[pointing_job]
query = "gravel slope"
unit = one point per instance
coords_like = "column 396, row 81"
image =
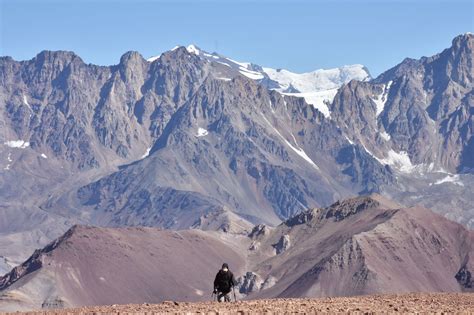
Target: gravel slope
column 460, row 303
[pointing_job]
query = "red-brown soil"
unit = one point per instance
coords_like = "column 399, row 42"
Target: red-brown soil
column 459, row 303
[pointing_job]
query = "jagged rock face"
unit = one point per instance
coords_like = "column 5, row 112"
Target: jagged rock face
column 250, row 282
column 187, row 142
column 258, row 231
column 283, row 244
column 63, row 106
column 248, row 149
column 421, row 107
column 465, row 279
column 269, row 282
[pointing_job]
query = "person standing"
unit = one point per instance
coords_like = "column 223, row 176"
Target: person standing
column 223, row 283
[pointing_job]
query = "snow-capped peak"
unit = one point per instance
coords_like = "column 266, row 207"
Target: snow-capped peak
column 151, row 59
column 317, row 87
column 192, row 49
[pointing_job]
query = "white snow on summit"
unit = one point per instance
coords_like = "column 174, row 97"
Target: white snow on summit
column 193, row 50
column 318, row 99
column 318, row 80
column 151, row 59
column 318, row 87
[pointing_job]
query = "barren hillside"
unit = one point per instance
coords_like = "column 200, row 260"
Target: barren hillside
column 359, row 246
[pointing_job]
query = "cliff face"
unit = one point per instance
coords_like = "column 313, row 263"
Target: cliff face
column 420, row 107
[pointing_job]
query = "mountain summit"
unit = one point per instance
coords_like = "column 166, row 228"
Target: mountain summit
column 191, row 136
column 318, row 87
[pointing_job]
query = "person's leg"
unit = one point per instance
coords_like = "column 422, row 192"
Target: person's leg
column 227, row 297
column 220, row 295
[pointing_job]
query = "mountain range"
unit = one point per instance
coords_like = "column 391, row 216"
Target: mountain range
column 363, row 245
column 191, row 139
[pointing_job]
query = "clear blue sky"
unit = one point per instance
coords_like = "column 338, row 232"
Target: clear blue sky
column 295, row 35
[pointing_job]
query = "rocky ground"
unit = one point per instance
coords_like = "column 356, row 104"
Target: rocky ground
column 459, row 303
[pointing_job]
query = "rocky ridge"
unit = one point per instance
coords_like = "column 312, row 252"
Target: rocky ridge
column 359, row 246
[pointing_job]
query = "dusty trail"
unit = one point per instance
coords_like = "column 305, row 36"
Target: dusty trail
column 459, row 303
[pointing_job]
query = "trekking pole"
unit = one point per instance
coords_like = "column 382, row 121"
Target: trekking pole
column 235, row 299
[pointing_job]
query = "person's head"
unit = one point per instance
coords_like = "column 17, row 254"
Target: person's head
column 225, row 266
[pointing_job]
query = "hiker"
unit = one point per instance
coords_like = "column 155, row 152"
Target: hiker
column 224, row 283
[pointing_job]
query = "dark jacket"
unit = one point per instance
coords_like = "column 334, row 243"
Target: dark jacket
column 224, row 281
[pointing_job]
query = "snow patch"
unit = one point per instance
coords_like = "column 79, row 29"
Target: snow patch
column 20, row 144
column 193, row 50
column 381, row 99
column 224, row 79
column 44, row 156
column 350, row 141
column 244, row 65
column 147, row 153
column 370, row 153
column 454, row 179
column 9, row 159
column 318, row 100
column 301, row 153
column 25, row 100
column 400, row 160
column 297, row 149
column 385, row 136
column 251, row 74
column 202, row 132
column 151, row 59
